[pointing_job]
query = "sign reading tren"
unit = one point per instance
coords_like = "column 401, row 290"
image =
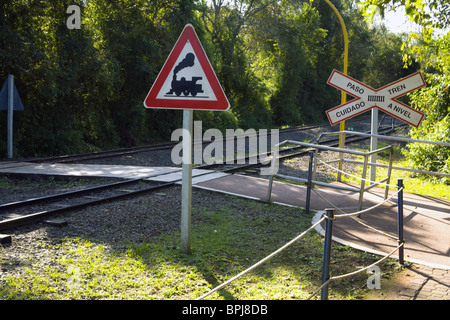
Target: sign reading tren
column 383, row 98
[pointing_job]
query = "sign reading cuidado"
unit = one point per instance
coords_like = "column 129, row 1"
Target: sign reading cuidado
column 187, row 80
column 383, row 98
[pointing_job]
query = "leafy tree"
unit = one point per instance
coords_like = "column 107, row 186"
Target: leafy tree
column 434, row 101
column 427, row 13
column 83, row 88
column 227, row 27
column 297, row 61
column 432, row 52
column 51, row 68
column 133, row 49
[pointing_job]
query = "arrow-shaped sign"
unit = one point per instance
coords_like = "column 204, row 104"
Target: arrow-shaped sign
column 384, row 98
column 17, row 102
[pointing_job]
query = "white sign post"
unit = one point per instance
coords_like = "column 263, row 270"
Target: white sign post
column 10, row 101
column 10, row 115
column 373, row 143
column 367, row 98
column 187, row 82
column 186, row 186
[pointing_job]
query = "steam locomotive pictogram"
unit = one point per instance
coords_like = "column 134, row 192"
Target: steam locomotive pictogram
column 184, row 86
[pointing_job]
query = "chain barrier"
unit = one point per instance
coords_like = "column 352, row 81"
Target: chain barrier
column 357, row 213
column 330, row 218
column 263, row 260
column 356, row 177
column 325, row 277
column 354, row 272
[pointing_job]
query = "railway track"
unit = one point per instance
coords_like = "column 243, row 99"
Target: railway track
column 140, row 149
column 43, row 208
column 105, row 154
column 18, row 213
column 298, row 151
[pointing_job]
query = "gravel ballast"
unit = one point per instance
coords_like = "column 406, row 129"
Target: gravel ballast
column 114, row 225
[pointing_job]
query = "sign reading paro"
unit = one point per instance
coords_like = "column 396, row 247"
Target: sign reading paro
column 383, row 98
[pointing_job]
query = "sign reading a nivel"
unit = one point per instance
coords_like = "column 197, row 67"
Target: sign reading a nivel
column 383, row 98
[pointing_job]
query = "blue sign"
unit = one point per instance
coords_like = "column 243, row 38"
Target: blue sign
column 17, row 102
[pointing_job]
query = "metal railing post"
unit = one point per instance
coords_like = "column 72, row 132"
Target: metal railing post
column 401, row 250
column 309, row 182
column 341, row 157
column 327, row 252
column 389, row 171
column 363, row 183
column 275, row 154
column 269, row 191
column 316, row 154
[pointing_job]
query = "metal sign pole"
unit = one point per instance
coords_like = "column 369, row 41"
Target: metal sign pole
column 401, row 252
column 10, row 115
column 373, row 143
column 186, row 187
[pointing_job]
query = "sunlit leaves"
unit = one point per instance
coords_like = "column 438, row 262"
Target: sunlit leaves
column 433, row 53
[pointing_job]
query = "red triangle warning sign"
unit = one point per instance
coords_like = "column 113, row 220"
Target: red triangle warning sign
column 187, row 80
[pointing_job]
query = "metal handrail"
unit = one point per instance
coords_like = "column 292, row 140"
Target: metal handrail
column 362, row 187
column 439, row 143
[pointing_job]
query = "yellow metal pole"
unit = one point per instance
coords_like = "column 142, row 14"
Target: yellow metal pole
column 344, row 30
column 343, row 95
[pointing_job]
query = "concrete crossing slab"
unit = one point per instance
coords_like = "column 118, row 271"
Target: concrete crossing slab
column 5, row 165
column 86, row 170
column 198, row 175
column 158, row 174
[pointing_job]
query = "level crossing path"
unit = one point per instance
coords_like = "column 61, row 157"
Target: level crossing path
column 426, row 219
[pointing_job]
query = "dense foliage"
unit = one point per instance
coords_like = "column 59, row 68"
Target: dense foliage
column 83, row 88
column 430, row 48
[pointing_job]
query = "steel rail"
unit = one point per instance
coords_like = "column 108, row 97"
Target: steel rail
column 13, row 222
column 287, row 154
column 134, row 150
column 62, row 195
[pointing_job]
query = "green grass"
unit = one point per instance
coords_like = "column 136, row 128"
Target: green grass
column 413, row 183
column 226, row 241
